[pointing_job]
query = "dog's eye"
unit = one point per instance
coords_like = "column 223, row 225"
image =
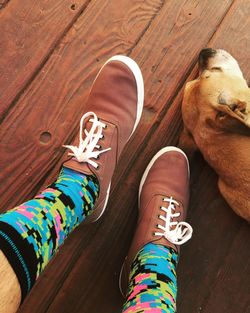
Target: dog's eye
column 220, row 115
column 216, row 69
column 233, row 106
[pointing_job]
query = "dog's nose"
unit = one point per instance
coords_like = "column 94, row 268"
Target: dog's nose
column 207, row 53
column 204, row 56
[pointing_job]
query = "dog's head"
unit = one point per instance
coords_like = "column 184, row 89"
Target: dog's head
column 222, row 90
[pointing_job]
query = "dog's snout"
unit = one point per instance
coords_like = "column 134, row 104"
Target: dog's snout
column 204, row 56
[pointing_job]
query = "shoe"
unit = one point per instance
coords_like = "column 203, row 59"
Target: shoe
column 163, row 201
column 114, row 109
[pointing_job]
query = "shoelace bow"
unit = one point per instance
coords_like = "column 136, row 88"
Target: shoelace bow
column 177, row 233
column 85, row 151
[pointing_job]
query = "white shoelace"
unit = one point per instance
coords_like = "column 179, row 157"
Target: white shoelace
column 181, row 232
column 85, row 151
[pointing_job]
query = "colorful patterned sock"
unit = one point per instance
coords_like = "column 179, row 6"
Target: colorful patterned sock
column 152, row 282
column 31, row 233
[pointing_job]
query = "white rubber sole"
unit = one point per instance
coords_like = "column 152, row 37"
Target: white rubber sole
column 120, row 280
column 151, row 163
column 132, row 65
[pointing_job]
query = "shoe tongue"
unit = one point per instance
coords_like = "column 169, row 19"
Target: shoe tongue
column 78, row 167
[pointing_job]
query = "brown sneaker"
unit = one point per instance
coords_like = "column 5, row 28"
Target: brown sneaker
column 115, row 106
column 163, row 201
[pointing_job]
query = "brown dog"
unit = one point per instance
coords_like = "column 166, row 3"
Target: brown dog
column 216, row 115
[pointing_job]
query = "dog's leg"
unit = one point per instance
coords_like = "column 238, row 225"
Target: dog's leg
column 187, row 143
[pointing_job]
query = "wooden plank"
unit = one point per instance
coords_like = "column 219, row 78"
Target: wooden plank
column 215, row 226
column 214, row 222
column 231, row 291
column 29, row 32
column 95, row 258
column 165, row 63
column 31, row 136
column 206, row 202
column 122, row 209
column 80, row 49
column 56, row 87
column 221, row 229
column 99, row 265
column 217, row 233
column 133, row 194
column 234, row 35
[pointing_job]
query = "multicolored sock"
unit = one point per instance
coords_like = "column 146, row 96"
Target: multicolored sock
column 152, row 282
column 31, row 233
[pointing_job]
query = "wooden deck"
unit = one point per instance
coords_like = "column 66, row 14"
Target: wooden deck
column 50, row 54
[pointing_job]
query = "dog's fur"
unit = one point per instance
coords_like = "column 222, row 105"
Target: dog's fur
column 216, row 115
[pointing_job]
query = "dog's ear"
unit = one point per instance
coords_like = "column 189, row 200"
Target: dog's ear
column 233, row 115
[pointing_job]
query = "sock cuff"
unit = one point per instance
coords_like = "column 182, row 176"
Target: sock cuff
column 20, row 256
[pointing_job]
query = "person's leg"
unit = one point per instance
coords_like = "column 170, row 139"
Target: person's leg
column 31, row 233
column 10, row 291
column 152, row 281
column 149, row 270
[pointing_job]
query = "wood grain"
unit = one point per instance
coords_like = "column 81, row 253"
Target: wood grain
column 123, row 30
column 165, row 63
column 120, row 215
column 66, row 78
column 231, row 290
column 209, row 215
column 214, row 222
column 217, row 227
column 164, row 37
column 29, row 32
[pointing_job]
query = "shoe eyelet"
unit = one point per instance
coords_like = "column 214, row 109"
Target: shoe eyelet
column 98, row 166
column 98, row 157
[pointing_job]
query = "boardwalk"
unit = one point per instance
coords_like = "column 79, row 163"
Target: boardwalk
column 50, row 54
